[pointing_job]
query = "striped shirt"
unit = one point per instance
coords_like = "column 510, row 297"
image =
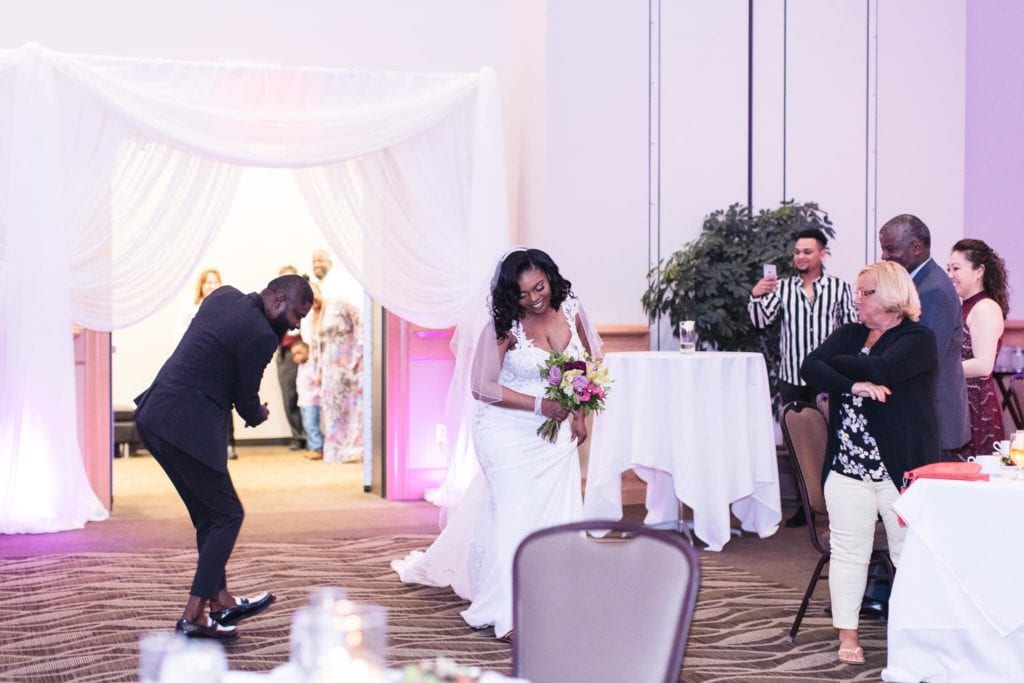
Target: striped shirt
column 804, row 325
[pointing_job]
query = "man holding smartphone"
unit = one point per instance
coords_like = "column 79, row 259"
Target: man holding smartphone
column 811, row 304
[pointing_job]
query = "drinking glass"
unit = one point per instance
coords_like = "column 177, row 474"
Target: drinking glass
column 153, row 649
column 1017, row 452
column 198, row 661
column 687, row 336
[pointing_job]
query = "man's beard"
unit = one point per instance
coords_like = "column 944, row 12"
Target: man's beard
column 280, row 325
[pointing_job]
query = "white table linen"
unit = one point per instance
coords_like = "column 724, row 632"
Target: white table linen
column 697, row 428
column 957, row 609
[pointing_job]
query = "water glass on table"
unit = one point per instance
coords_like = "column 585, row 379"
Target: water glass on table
column 687, row 336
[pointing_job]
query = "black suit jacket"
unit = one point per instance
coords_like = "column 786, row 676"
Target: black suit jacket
column 218, row 363
column 903, row 359
column 942, row 313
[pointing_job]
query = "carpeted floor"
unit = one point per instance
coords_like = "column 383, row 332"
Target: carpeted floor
column 78, row 617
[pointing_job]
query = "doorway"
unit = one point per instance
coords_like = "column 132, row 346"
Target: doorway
column 267, row 227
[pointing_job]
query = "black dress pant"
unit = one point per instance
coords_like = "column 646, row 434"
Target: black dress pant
column 212, row 504
column 286, row 372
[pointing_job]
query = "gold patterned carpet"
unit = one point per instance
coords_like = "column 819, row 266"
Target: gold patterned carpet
column 78, row 617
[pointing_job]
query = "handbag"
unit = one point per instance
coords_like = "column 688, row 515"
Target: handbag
column 963, row 471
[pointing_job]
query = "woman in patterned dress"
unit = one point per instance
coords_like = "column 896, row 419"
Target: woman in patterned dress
column 880, row 375
column 979, row 278
column 341, row 389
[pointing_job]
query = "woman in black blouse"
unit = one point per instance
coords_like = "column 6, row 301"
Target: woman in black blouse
column 880, row 375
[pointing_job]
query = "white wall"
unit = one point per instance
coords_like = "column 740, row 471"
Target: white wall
column 866, row 117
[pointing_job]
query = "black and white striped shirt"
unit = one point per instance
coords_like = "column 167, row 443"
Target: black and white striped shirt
column 804, row 326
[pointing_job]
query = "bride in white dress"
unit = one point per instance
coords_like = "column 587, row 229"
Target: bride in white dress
column 525, row 483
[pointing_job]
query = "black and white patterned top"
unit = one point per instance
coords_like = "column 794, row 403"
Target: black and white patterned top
column 804, row 325
column 858, row 455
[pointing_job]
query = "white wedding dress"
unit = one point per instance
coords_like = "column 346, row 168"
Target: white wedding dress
column 525, row 484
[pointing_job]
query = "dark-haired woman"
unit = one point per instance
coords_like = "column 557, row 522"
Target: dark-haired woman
column 979, row 278
column 525, row 483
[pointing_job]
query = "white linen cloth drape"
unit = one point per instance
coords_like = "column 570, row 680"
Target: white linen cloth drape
column 115, row 175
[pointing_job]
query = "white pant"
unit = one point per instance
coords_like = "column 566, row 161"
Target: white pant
column 853, row 508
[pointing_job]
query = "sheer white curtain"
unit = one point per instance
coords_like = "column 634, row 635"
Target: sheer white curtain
column 115, row 175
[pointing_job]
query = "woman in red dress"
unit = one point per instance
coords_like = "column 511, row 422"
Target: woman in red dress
column 979, row 277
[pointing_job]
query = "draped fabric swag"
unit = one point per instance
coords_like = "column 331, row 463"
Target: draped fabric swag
column 115, row 174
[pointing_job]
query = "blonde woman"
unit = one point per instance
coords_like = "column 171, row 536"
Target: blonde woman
column 208, row 281
column 880, row 374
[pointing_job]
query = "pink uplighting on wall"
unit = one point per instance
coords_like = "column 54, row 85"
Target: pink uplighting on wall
column 419, row 367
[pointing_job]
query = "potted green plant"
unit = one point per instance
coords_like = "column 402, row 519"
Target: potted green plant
column 709, row 279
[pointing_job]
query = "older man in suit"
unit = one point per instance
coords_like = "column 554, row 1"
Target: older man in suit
column 183, row 417
column 906, row 240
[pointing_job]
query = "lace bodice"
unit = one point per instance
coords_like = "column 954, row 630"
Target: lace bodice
column 520, row 370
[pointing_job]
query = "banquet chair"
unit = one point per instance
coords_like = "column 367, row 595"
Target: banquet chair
column 616, row 608
column 1017, row 396
column 805, row 431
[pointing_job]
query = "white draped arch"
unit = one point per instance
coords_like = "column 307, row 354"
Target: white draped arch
column 116, row 173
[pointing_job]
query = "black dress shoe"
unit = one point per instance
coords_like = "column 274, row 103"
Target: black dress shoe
column 211, row 629
column 245, row 608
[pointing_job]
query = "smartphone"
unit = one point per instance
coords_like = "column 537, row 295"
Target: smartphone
column 769, row 270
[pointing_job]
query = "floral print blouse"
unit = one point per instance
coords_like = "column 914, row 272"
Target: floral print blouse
column 858, row 455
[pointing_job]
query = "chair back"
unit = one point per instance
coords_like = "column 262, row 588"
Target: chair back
column 1017, row 397
column 805, row 431
column 806, row 434
column 602, row 609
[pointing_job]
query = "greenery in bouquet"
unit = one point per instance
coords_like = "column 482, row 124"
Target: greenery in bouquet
column 576, row 384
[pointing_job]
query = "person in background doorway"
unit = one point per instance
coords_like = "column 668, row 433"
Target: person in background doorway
column 307, row 383
column 340, row 361
column 906, row 240
column 208, row 280
column 979, row 277
column 286, row 370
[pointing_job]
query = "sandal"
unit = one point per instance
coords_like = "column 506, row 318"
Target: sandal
column 851, row 655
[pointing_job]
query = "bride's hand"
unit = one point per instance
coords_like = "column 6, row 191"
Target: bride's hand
column 553, row 409
column 579, row 427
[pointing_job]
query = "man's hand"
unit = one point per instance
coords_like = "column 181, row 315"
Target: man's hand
column 264, row 413
column 765, row 285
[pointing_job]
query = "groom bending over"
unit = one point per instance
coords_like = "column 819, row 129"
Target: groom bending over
column 182, row 418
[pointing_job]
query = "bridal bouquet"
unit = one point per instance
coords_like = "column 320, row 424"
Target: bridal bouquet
column 577, row 384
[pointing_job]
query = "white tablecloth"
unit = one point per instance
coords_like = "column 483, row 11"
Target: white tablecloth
column 697, row 428
column 957, row 606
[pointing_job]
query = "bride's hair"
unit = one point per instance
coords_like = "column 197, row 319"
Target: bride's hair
column 505, row 294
